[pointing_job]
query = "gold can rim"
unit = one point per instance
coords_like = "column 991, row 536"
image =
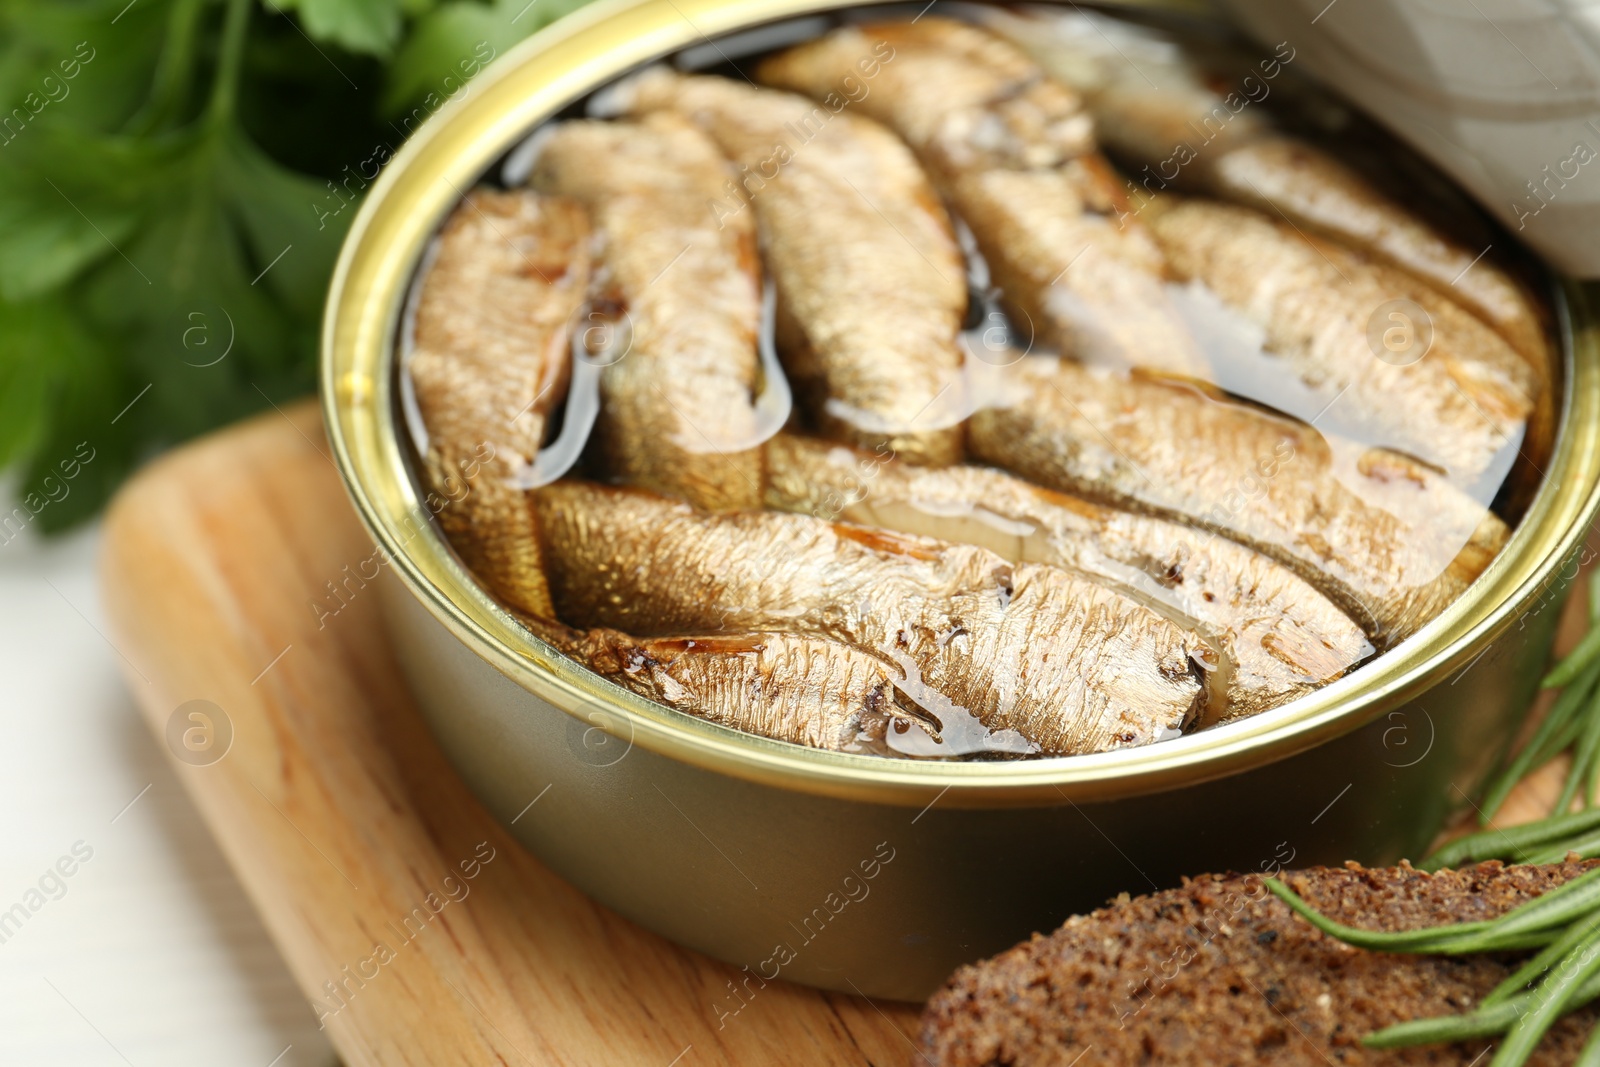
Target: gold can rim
column 453, row 149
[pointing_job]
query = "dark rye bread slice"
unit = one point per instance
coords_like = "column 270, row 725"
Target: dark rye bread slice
column 1220, row 972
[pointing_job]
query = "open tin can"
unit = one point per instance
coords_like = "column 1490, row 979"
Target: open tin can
column 851, row 872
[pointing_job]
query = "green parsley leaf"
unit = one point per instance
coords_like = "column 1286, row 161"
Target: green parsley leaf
column 84, row 449
column 174, row 183
column 456, row 40
column 369, row 26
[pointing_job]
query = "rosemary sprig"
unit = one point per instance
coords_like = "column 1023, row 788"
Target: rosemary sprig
column 1563, row 924
column 1538, row 922
column 1573, row 722
column 1563, row 977
column 1530, row 971
column 1552, row 998
column 1543, row 841
column 1590, row 1056
column 1487, row 1021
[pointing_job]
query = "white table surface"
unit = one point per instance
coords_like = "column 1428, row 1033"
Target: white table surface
column 152, row 956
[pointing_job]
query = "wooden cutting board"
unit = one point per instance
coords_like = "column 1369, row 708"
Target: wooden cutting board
column 342, row 819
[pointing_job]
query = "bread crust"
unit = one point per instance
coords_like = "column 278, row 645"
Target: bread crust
column 1219, row 971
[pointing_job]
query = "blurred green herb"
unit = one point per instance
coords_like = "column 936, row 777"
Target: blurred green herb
column 175, row 177
column 1571, row 726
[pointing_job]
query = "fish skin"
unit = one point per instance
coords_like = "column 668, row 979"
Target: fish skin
column 1322, row 194
column 805, row 690
column 1070, row 665
column 1148, row 99
column 1469, row 396
column 1146, row 124
column 1013, row 152
column 960, row 96
column 490, row 362
column 1387, row 539
column 1070, row 277
column 1283, row 637
column 870, row 281
column 677, row 411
